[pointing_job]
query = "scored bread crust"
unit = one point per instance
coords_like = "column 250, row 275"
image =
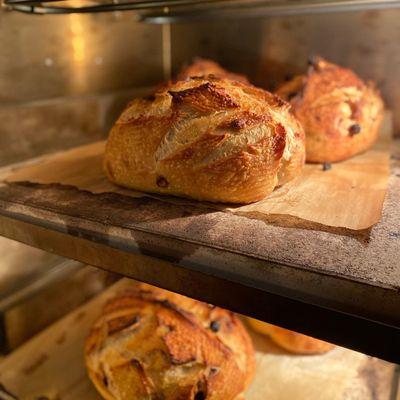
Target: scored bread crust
column 294, row 342
column 201, row 67
column 206, row 138
column 151, row 343
column 340, row 114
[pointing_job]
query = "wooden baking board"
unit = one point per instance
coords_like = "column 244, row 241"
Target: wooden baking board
column 350, row 195
column 51, row 366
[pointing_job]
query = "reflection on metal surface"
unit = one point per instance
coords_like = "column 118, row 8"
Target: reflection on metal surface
column 76, row 6
column 38, row 303
column 166, row 43
column 78, row 40
column 200, row 9
column 78, row 50
column 39, row 56
column 19, row 264
column 255, row 9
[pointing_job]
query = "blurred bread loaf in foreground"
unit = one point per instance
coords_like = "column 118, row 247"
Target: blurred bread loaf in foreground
column 292, row 341
column 340, row 114
column 206, row 138
column 202, row 67
column 153, row 344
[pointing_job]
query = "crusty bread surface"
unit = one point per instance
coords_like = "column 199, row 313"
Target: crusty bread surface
column 153, row 344
column 341, row 115
column 208, row 138
column 202, row 67
column 294, row 342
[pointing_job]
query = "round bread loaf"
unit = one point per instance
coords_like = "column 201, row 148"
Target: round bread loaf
column 153, row 344
column 206, row 138
column 340, row 114
column 292, row 341
column 202, row 67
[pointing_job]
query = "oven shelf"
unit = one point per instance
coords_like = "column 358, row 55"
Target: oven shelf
column 333, row 284
column 40, row 365
column 169, row 11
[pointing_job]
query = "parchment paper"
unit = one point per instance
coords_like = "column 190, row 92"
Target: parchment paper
column 350, row 195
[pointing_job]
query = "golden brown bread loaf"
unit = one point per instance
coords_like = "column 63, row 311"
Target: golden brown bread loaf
column 206, row 138
column 203, row 67
column 292, row 341
column 340, row 114
column 153, row 344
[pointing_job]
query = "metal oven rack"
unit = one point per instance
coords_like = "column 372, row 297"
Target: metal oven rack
column 165, row 11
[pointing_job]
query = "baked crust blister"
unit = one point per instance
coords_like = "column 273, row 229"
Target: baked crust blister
column 341, row 115
column 207, row 138
column 151, row 343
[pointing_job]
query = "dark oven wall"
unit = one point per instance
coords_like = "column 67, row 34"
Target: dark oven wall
column 269, row 49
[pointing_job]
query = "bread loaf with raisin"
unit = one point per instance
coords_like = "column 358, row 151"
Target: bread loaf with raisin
column 341, row 115
column 153, row 344
column 208, row 139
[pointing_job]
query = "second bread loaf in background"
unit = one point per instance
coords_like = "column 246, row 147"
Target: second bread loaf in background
column 201, row 67
column 341, row 115
column 294, row 342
